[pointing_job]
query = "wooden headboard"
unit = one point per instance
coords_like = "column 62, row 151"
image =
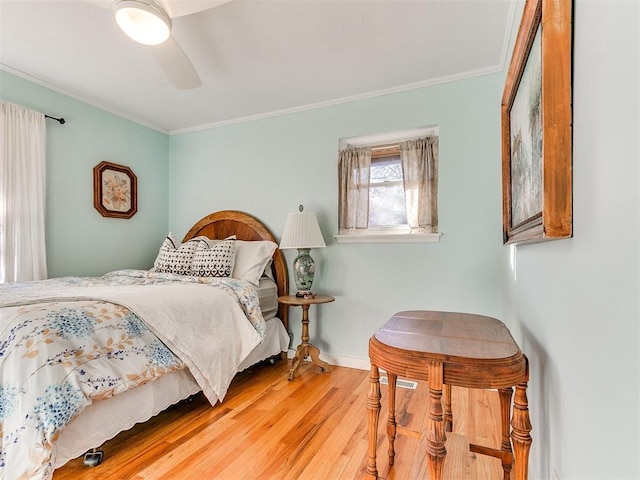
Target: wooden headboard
column 225, row 223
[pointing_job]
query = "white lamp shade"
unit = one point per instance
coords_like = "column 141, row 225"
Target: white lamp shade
column 302, row 231
column 143, row 21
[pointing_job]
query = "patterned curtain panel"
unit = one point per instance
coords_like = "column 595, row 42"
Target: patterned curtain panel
column 353, row 191
column 420, row 172
column 22, row 194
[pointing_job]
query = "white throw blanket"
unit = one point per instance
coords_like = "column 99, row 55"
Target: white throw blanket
column 203, row 326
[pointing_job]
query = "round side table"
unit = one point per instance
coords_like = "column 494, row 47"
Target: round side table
column 305, row 349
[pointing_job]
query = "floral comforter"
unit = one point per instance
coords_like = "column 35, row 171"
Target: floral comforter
column 67, row 342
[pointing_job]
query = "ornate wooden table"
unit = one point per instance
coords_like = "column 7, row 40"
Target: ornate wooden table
column 446, row 349
column 305, row 349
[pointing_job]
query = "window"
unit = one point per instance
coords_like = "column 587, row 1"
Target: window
column 387, row 207
column 388, row 187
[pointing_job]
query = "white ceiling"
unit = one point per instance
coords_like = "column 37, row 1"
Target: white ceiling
column 255, row 57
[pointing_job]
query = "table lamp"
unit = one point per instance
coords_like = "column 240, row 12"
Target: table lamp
column 302, row 232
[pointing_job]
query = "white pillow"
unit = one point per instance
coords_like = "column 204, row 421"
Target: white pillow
column 174, row 257
column 268, row 272
column 252, row 258
column 214, row 258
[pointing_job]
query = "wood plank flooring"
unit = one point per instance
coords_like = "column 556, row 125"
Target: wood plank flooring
column 312, row 428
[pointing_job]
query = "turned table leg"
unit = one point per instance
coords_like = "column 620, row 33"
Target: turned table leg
column 435, row 429
column 506, row 395
column 305, row 349
column 391, row 420
column 373, row 409
column 521, row 426
column 448, row 413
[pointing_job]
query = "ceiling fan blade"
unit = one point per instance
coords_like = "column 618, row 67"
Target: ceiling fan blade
column 176, row 65
column 106, row 4
column 174, row 8
column 179, row 8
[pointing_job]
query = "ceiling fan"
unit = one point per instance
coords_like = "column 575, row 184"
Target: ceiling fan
column 149, row 22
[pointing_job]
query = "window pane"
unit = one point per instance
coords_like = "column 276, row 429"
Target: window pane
column 386, row 193
column 387, row 169
column 387, row 206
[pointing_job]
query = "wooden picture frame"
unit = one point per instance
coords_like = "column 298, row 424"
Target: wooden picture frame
column 115, row 190
column 536, row 127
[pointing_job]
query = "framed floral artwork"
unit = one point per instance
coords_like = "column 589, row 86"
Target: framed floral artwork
column 537, row 127
column 115, row 190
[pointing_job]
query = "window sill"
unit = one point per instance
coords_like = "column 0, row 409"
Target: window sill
column 389, row 238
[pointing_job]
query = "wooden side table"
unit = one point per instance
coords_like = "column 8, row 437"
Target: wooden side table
column 447, row 349
column 305, row 349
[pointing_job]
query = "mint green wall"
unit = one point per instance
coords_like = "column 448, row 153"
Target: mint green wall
column 268, row 167
column 573, row 304
column 79, row 240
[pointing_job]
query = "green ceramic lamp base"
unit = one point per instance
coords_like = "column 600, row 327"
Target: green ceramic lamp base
column 303, row 271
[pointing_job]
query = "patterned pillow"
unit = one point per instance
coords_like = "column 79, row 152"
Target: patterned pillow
column 214, row 258
column 174, row 257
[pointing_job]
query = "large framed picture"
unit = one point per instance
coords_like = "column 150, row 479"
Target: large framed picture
column 115, row 190
column 536, row 127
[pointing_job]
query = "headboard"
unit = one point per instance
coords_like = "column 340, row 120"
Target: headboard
column 220, row 225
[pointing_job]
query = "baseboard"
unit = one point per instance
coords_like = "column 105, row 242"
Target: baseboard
column 341, row 360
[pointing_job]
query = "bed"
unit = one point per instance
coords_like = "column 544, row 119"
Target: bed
column 152, row 333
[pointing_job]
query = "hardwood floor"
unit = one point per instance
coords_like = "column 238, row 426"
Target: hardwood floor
column 312, row 428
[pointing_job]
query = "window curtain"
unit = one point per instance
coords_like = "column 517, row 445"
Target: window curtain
column 22, row 194
column 419, row 158
column 353, row 202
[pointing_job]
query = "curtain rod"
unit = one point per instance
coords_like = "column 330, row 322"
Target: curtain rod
column 60, row 120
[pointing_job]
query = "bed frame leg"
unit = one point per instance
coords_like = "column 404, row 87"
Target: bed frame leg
column 93, row 457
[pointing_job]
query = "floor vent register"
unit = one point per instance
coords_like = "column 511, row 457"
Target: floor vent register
column 410, row 384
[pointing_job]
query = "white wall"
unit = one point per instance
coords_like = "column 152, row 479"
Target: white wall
column 573, row 304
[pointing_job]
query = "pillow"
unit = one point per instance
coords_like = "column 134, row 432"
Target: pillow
column 267, row 270
column 252, row 258
column 214, row 258
column 175, row 258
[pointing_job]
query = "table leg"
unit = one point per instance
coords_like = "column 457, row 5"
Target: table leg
column 391, row 419
column 314, row 353
column 296, row 361
column 373, row 409
column 521, row 426
column 506, row 395
column 435, row 429
column 305, row 349
column 448, row 413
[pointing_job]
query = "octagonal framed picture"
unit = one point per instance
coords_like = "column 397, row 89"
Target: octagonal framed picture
column 115, row 190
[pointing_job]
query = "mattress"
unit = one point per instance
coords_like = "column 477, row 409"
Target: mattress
column 268, row 297
column 104, row 419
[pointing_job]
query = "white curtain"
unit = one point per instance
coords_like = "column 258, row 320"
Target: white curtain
column 22, row 194
column 420, row 173
column 353, row 203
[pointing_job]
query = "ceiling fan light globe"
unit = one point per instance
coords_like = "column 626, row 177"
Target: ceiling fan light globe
column 142, row 21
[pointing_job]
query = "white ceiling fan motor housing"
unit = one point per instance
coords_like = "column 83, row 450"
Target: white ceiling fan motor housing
column 143, row 20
